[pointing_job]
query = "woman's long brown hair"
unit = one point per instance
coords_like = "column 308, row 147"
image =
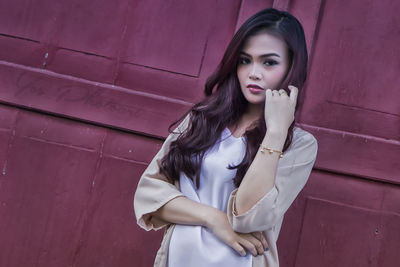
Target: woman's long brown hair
column 224, row 102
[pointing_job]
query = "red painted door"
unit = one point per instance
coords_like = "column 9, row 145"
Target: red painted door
column 88, row 89
column 349, row 212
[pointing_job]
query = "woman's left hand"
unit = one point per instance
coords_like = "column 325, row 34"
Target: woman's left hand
column 279, row 109
column 256, row 238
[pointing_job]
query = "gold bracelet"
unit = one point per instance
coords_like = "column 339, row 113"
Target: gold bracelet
column 270, row 150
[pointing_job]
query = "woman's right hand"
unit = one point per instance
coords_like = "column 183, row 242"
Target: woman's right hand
column 255, row 243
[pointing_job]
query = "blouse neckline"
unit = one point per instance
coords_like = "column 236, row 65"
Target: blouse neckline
column 230, row 133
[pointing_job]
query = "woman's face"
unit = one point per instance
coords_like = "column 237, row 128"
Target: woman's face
column 263, row 64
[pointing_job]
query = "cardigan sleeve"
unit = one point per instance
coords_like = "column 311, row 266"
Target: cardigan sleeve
column 291, row 176
column 154, row 190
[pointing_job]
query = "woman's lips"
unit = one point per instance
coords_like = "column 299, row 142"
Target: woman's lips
column 255, row 89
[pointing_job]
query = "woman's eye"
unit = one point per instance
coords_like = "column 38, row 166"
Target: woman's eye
column 270, row 62
column 244, row 60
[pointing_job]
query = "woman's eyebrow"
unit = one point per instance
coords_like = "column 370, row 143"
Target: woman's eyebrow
column 261, row 56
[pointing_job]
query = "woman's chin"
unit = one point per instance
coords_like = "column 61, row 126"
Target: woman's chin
column 259, row 100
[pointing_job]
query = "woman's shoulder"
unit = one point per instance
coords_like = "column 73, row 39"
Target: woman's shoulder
column 302, row 137
column 303, row 148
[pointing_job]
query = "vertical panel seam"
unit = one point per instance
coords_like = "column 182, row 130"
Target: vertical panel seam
column 9, row 146
column 89, row 200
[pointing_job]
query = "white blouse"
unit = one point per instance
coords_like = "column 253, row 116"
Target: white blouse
column 196, row 245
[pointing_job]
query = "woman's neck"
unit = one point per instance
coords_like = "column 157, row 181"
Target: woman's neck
column 252, row 114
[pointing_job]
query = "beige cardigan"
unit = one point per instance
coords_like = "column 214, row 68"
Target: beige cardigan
column 266, row 215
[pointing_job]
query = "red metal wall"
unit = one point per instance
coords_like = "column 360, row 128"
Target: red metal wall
column 88, row 89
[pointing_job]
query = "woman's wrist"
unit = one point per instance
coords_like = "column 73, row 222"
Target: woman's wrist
column 274, row 139
column 211, row 215
column 275, row 131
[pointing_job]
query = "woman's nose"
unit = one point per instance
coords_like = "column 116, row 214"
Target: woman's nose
column 254, row 73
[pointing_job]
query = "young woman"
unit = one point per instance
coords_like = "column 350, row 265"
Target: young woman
column 224, row 178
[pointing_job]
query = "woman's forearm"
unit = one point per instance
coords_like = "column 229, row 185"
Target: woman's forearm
column 182, row 210
column 260, row 177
